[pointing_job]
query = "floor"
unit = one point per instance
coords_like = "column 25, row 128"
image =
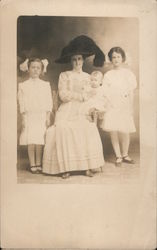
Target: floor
column 125, row 173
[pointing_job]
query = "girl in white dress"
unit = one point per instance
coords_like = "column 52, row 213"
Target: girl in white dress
column 35, row 102
column 73, row 143
column 119, row 84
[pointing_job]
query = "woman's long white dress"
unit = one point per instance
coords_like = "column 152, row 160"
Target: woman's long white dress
column 35, row 100
column 73, row 143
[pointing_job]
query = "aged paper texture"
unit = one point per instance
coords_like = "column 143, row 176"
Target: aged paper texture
column 117, row 212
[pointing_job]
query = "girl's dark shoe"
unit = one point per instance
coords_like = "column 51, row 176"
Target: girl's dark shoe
column 128, row 160
column 39, row 169
column 33, row 169
column 118, row 162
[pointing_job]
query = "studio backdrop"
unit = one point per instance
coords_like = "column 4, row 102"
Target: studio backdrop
column 45, row 36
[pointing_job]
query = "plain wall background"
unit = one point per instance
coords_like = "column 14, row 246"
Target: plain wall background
column 45, row 36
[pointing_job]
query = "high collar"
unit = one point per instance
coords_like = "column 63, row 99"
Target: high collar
column 77, row 71
column 34, row 79
column 118, row 68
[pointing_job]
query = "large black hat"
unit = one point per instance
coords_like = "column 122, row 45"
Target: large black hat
column 82, row 45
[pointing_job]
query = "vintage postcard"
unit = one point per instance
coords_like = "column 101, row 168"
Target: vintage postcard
column 78, row 124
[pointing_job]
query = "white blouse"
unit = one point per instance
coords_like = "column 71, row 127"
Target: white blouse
column 71, row 85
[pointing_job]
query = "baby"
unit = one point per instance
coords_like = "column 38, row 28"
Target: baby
column 95, row 105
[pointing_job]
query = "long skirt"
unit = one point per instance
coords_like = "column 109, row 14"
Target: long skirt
column 73, row 145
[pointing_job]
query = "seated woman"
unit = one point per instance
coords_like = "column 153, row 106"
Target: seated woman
column 73, row 143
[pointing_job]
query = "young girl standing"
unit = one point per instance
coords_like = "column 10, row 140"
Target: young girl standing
column 119, row 84
column 35, row 101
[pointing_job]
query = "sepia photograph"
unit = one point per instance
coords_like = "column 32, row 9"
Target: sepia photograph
column 78, row 99
column 78, row 124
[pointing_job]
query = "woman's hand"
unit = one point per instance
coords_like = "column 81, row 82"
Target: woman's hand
column 93, row 114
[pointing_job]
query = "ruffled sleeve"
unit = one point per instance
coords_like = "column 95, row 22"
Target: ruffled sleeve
column 48, row 99
column 65, row 91
column 20, row 97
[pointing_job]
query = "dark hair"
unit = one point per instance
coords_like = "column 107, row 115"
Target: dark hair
column 117, row 50
column 35, row 60
column 83, row 56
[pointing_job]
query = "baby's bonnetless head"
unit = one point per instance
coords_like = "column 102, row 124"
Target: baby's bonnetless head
column 96, row 79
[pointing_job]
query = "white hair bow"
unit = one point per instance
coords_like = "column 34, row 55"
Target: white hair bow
column 24, row 65
column 45, row 63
